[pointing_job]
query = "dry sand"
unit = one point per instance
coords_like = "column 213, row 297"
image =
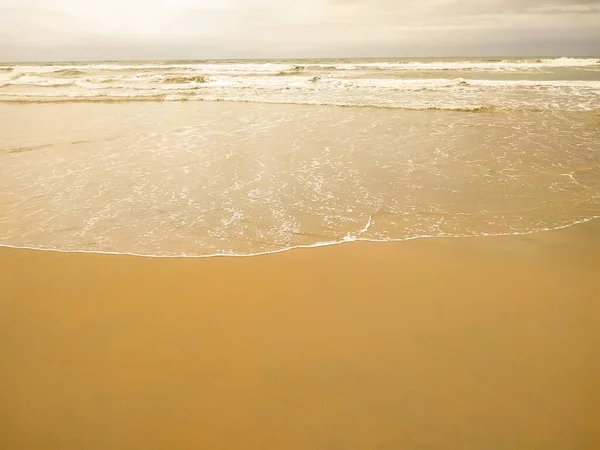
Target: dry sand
column 478, row 343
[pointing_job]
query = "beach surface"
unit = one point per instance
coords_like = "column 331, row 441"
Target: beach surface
column 466, row 343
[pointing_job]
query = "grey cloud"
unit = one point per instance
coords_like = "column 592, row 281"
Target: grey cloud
column 574, row 9
column 525, row 7
column 476, row 7
column 64, row 29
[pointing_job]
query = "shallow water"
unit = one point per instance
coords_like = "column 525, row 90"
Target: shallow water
column 187, row 178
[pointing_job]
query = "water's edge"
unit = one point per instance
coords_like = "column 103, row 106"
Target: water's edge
column 299, row 247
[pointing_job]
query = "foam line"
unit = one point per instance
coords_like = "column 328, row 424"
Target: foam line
column 315, row 245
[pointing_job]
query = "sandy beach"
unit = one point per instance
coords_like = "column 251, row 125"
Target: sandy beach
column 470, row 343
column 315, row 225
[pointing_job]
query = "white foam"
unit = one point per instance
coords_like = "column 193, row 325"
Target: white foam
column 497, row 66
column 299, row 66
column 40, row 81
column 307, row 246
column 417, row 93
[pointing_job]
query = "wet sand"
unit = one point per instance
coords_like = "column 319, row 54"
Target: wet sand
column 473, row 343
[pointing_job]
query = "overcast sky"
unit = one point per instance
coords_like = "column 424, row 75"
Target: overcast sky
column 172, row 29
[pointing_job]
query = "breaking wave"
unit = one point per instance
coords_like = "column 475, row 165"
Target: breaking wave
column 69, row 72
column 466, row 85
column 192, row 98
column 184, row 80
column 247, row 67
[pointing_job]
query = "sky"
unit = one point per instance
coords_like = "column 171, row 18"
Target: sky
column 66, row 30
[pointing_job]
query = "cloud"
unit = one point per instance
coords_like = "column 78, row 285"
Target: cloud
column 570, row 9
column 522, row 7
column 116, row 29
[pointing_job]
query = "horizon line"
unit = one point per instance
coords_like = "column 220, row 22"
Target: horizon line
column 290, row 58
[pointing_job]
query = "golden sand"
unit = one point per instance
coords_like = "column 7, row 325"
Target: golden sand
column 479, row 343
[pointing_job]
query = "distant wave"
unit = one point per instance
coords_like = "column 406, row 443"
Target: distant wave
column 280, row 82
column 275, row 68
column 302, row 69
column 296, row 70
column 464, row 85
column 184, row 80
column 191, row 98
column 69, row 72
column 485, row 65
column 22, row 80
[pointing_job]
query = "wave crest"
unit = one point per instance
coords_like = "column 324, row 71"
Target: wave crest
column 195, row 98
column 68, row 72
column 184, row 80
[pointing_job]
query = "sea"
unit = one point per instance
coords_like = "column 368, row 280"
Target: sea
column 245, row 157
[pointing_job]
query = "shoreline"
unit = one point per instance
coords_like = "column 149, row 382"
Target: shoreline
column 303, row 247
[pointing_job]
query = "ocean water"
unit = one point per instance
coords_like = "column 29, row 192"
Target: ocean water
column 202, row 158
column 566, row 84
